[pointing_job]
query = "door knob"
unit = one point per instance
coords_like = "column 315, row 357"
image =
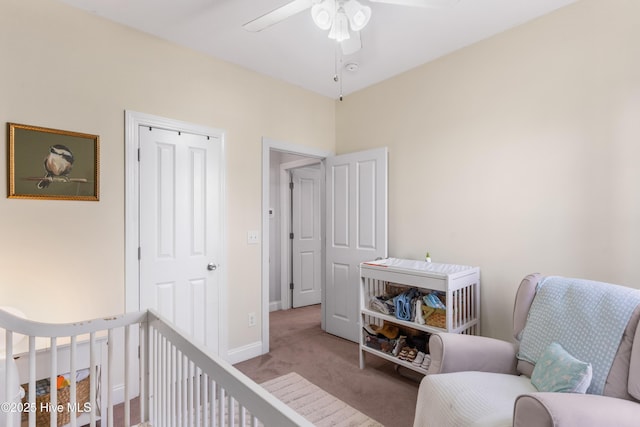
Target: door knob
column 211, row 266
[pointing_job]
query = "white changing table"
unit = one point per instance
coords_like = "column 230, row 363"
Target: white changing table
column 459, row 283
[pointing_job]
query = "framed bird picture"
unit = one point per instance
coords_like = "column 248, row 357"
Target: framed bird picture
column 53, row 164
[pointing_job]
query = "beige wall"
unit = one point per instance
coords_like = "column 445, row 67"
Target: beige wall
column 65, row 69
column 517, row 154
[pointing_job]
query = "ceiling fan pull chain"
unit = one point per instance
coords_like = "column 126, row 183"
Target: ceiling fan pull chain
column 335, row 62
column 341, row 79
column 337, row 71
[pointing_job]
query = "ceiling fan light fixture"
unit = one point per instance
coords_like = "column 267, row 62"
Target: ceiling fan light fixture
column 340, row 28
column 322, row 14
column 358, row 14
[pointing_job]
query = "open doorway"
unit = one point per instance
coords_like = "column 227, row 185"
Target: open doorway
column 299, row 215
column 279, row 160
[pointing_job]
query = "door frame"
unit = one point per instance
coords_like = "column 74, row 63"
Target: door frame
column 268, row 145
column 285, row 221
column 133, row 120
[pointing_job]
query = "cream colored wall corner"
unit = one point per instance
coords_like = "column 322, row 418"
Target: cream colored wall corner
column 65, row 69
column 517, row 154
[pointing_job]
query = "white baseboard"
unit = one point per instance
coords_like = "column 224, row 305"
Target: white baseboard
column 246, row 352
column 275, row 306
column 118, row 394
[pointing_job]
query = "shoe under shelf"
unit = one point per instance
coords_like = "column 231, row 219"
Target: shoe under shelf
column 391, row 358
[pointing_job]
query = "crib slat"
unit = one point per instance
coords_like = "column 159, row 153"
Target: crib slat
column 185, row 392
column 190, row 394
column 161, row 382
column 179, row 389
column 232, row 411
column 160, row 379
column 127, row 348
column 165, row 384
column 196, row 402
column 242, row 420
column 154, row 370
column 158, row 395
column 173, row 386
column 32, row 379
column 53, row 380
column 205, row 400
column 93, row 373
column 144, row 372
column 221, row 400
column 214, row 403
column 110, row 370
column 7, row 368
column 172, row 379
column 72, row 379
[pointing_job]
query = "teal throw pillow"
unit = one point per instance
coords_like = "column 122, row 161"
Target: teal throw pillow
column 558, row 371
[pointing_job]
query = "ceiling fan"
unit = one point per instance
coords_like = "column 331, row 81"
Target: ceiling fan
column 343, row 18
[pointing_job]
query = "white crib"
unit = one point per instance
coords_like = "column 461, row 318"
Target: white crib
column 177, row 382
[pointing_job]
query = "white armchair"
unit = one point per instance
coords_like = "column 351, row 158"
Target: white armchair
column 479, row 381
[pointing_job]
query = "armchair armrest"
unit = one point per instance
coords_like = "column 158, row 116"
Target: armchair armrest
column 571, row 409
column 457, row 352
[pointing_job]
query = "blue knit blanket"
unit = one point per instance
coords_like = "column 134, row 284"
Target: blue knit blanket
column 587, row 318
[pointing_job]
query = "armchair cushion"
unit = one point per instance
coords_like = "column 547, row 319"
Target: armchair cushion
column 558, row 371
column 469, row 399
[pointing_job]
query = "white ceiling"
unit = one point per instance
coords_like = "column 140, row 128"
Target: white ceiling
column 396, row 39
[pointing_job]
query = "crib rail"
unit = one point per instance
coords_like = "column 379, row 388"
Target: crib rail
column 191, row 386
column 46, row 343
column 175, row 381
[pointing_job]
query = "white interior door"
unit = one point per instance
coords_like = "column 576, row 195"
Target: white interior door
column 180, row 208
column 307, row 236
column 356, row 191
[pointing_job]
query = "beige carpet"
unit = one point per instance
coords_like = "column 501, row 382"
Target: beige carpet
column 315, row 404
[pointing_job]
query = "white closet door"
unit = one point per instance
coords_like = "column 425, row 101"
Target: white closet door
column 179, row 233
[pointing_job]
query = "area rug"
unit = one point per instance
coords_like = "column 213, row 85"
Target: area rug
column 315, row 404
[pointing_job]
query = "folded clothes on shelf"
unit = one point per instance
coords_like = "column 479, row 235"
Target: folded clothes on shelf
column 382, row 305
column 432, row 300
column 404, row 305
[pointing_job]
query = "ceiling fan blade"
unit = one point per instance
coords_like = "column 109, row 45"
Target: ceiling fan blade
column 352, row 44
column 278, row 15
column 433, row 4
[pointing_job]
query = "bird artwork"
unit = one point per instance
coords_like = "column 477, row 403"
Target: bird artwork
column 57, row 164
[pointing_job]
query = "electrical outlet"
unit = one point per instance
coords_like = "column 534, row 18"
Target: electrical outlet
column 252, row 319
column 252, row 237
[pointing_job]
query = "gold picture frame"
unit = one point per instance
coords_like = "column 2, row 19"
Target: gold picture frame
column 53, row 164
